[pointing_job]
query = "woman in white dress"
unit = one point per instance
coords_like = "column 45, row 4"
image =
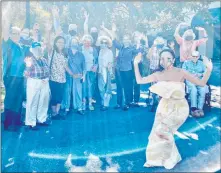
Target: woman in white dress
column 172, row 110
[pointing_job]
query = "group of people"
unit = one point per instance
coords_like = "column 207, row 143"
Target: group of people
column 61, row 68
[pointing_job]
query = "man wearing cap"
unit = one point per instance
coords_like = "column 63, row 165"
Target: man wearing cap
column 105, row 63
column 196, row 67
column 13, row 68
column 76, row 63
column 37, row 73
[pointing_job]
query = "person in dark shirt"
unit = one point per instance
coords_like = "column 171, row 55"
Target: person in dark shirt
column 124, row 71
column 76, row 63
column 13, row 68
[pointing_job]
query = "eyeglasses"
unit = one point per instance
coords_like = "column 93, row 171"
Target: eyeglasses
column 195, row 56
column 103, row 42
column 15, row 33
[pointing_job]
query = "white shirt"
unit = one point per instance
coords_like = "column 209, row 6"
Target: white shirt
column 89, row 58
column 105, row 57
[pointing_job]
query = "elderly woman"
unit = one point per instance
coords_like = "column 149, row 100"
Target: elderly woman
column 187, row 42
column 172, row 110
column 91, row 56
column 37, row 73
column 76, row 63
column 105, row 62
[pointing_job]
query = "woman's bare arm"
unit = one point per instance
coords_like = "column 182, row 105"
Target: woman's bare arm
column 139, row 78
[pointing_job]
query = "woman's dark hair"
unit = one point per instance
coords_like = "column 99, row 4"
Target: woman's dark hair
column 168, row 50
column 56, row 48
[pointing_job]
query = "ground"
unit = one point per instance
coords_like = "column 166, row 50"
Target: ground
column 114, row 138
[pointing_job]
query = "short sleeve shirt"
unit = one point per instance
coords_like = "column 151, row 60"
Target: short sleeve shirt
column 58, row 68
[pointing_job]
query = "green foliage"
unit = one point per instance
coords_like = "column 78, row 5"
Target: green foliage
column 149, row 17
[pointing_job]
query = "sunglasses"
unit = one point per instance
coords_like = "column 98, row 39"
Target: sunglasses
column 103, row 42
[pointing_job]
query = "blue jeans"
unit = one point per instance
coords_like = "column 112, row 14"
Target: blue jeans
column 197, row 95
column 67, row 93
column 77, row 94
column 88, row 85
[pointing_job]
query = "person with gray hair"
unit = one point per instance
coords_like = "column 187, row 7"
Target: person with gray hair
column 76, row 63
column 105, row 63
column 13, row 69
column 91, row 57
column 197, row 93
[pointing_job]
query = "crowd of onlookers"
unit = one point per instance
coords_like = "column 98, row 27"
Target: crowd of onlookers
column 54, row 73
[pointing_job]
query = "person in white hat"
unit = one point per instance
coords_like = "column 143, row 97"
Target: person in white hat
column 38, row 92
column 197, row 93
column 105, row 63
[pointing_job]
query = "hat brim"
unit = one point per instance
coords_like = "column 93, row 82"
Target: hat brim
column 109, row 41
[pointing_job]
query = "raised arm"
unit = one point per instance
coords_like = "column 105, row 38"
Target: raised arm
column 205, row 36
column 48, row 40
column 86, row 30
column 109, row 32
column 139, row 78
column 177, row 35
column 56, row 19
column 206, row 75
column 6, row 20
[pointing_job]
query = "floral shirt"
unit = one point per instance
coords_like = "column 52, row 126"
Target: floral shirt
column 58, row 65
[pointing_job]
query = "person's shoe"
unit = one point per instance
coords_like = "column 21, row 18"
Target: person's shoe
column 126, row 107
column 46, row 123
column 104, row 108
column 195, row 113
column 201, row 113
column 117, row 107
column 136, row 105
column 91, row 108
column 35, row 128
column 133, row 105
column 81, row 112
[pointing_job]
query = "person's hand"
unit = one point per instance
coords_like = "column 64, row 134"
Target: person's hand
column 55, row 11
column 28, row 61
column 138, row 58
column 48, row 26
column 44, row 81
column 114, row 27
column 102, row 26
column 94, row 68
column 109, row 66
column 86, row 15
column 208, row 63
